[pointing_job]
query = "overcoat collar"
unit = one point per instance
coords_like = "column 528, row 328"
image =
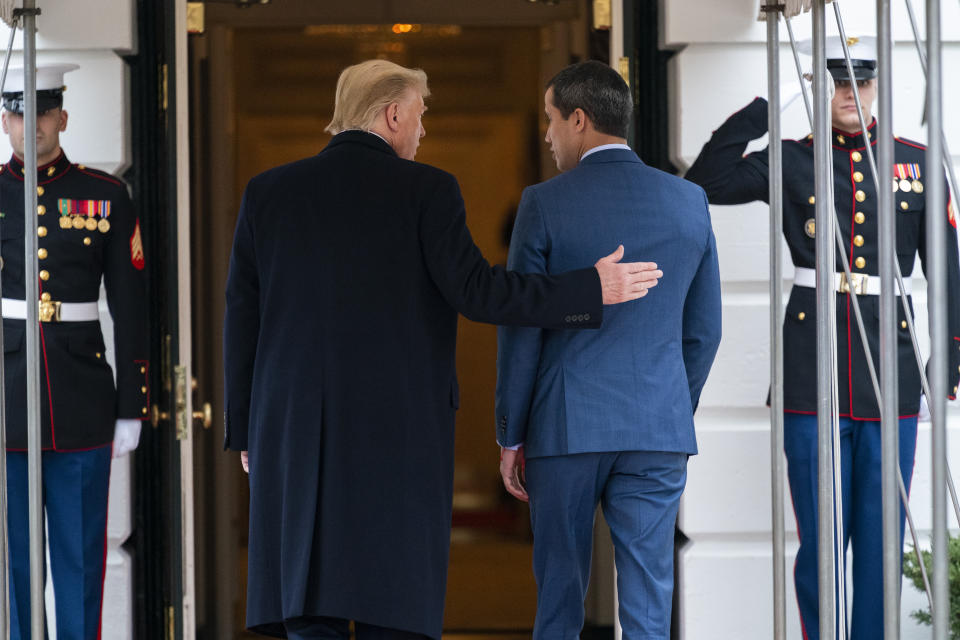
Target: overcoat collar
column 357, row 136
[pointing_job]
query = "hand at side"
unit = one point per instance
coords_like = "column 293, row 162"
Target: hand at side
column 512, row 472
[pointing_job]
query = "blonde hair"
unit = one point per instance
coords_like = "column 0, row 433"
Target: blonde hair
column 365, row 89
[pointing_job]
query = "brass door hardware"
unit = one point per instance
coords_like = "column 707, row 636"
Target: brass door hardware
column 156, row 416
column 205, row 416
column 180, row 395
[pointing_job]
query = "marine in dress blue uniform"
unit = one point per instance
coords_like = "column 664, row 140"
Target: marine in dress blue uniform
column 729, row 177
column 88, row 231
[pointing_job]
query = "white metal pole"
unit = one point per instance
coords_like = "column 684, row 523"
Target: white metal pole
column 937, row 295
column 890, row 422
column 776, row 323
column 826, row 328
column 31, row 293
column 4, row 523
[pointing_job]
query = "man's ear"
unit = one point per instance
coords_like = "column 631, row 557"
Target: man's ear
column 393, row 116
column 579, row 119
column 3, row 121
column 63, row 120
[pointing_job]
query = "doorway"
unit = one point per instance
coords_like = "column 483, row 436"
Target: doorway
column 262, row 80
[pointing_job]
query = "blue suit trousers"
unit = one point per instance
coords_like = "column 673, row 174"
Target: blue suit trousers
column 640, row 493
column 75, row 489
column 862, row 515
column 325, row 628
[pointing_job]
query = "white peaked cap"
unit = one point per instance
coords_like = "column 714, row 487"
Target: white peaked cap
column 49, row 76
column 861, row 48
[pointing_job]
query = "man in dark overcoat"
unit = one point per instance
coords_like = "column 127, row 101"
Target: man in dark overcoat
column 347, row 274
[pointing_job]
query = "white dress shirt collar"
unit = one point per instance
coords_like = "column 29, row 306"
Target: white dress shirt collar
column 604, row 147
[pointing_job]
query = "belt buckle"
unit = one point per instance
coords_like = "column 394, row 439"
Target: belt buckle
column 49, row 311
column 859, row 283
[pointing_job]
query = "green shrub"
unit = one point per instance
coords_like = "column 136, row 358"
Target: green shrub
column 911, row 569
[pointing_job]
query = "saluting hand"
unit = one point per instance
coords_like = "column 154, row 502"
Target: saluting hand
column 512, row 470
column 625, row 281
column 245, row 461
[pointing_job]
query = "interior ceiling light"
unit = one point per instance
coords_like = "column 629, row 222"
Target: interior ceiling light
column 239, row 3
column 383, row 30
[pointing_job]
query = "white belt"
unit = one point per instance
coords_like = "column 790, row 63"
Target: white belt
column 863, row 284
column 53, row 311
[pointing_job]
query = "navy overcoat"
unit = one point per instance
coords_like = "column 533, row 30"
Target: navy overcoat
column 347, row 274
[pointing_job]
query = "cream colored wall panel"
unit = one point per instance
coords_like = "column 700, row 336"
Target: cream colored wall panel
column 728, row 483
column 86, row 24
column 740, row 373
column 688, row 22
column 727, row 593
column 743, row 245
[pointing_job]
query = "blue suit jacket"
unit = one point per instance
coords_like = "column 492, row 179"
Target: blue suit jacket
column 634, row 384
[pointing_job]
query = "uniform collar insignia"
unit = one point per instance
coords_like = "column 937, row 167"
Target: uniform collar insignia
column 45, row 173
column 847, row 140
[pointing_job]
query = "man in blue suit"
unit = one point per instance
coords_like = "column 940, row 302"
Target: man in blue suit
column 606, row 416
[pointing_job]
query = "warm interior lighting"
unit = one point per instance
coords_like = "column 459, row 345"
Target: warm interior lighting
column 375, row 30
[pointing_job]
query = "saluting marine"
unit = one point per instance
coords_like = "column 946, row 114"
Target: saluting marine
column 87, row 231
column 729, row 177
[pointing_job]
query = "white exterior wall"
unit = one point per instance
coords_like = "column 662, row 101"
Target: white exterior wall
column 720, row 66
column 94, row 34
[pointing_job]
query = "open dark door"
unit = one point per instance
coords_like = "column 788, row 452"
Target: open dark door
column 162, row 504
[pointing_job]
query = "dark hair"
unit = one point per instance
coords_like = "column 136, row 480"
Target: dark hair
column 599, row 91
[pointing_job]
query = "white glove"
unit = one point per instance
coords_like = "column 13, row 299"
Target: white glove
column 126, row 437
column 924, row 410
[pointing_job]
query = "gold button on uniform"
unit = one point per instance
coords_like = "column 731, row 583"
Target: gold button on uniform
column 841, row 139
column 42, row 253
column 859, row 218
column 857, row 176
column 801, row 315
column 87, row 241
column 39, row 191
column 856, row 156
column 143, row 411
column 903, row 324
column 858, row 240
column 41, row 210
column 812, row 200
column 860, row 262
column 143, row 389
column 861, row 196
column 42, row 232
column 99, row 355
column 143, row 369
column 44, row 275
column 904, row 206
column 45, row 296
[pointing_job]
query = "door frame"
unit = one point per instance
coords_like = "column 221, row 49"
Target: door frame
column 162, row 541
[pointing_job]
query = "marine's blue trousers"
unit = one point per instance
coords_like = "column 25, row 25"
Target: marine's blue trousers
column 75, row 489
column 862, row 515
